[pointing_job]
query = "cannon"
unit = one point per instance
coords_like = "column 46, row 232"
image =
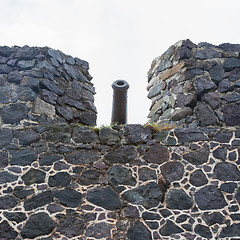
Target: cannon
column 119, row 105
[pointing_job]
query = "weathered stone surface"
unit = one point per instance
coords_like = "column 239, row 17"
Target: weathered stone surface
column 14, row 113
column 84, row 135
column 224, row 86
column 38, row 224
column 14, row 77
column 217, row 73
column 26, row 64
column 4, row 68
column 231, row 63
column 34, row 176
column 136, row 133
column 212, row 99
column 157, row 154
column 228, row 187
column 118, row 175
column 209, row 197
column 139, row 231
column 23, row 193
column 205, row 115
column 4, row 159
column 26, row 52
column 220, row 153
column 124, row 154
column 146, row 174
column 42, row 107
column 88, row 118
column 60, row 179
column 6, row 231
column 49, row 158
column 203, row 231
column 15, row 216
column 182, row 53
column 207, row 53
column 8, row 94
column 88, row 177
column 31, row 82
column 223, row 137
column 99, row 230
column 6, row 136
column 59, row 132
column 48, row 96
column 232, row 230
column 231, row 113
column 181, row 113
column 83, row 157
column 178, row 199
column 69, row 197
column 104, row 197
column 39, row 200
column 198, row 178
column 23, row 157
column 28, row 136
column 5, row 51
column 198, row 156
column 172, row 171
column 149, row 195
column 6, row 177
column 213, row 218
column 155, row 90
column 71, row 226
column 204, row 85
column 189, row 135
column 65, row 111
column 170, row 228
column 226, row 172
column 8, row 202
column 108, row 135
column 188, row 100
column 131, row 211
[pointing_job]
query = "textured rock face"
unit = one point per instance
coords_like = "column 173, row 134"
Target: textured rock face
column 43, row 84
column 199, row 87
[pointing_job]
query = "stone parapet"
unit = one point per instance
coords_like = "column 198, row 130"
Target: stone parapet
column 43, row 84
column 196, row 85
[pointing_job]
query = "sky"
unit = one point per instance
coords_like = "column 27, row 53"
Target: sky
column 119, row 38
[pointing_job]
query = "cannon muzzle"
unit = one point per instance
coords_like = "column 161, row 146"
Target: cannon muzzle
column 119, row 105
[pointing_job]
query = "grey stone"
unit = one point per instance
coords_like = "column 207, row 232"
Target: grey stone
column 220, row 153
column 198, row 178
column 26, row 94
column 6, row 177
column 69, row 197
column 49, row 96
column 49, row 158
column 189, row 135
column 210, row 197
column 60, row 179
column 231, row 63
column 224, row 86
column 34, row 176
column 213, row 218
column 6, row 231
column 8, row 201
column 15, row 216
column 212, row 99
column 234, row 75
column 172, row 171
column 28, row 136
column 108, row 135
column 59, row 132
column 55, row 54
column 181, row 113
column 4, row 68
column 4, row 159
column 104, row 197
column 99, row 230
column 189, row 100
column 42, row 107
column 232, row 230
column 31, row 82
column 230, row 47
column 14, row 113
column 51, row 86
column 182, row 53
column 170, row 228
column 8, row 94
column 178, row 199
column 207, row 53
column 149, row 195
column 232, row 97
column 23, row 157
column 6, row 136
column 146, row 174
column 139, row 231
column 217, row 73
column 15, row 77
column 88, row 177
column 88, row 118
column 223, row 137
column 26, row 52
column 155, row 90
column 38, row 224
column 84, row 135
column 65, row 111
column 5, row 51
column 204, row 85
column 26, row 64
column 231, row 113
column 203, row 231
column 226, row 172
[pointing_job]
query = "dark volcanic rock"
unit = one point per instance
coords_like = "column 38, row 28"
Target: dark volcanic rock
column 49, row 158
column 26, row 52
column 231, row 63
column 4, row 159
column 189, row 100
column 230, row 231
column 217, row 73
column 189, row 135
column 28, row 136
column 104, row 197
column 226, row 172
column 14, row 113
column 99, row 230
column 69, row 198
column 146, row 174
column 65, row 111
column 136, row 133
column 5, row 51
column 157, row 154
column 149, row 195
column 234, row 75
column 49, row 96
column 220, row 153
column 88, row 177
column 204, row 85
column 118, row 175
column 203, row 231
column 6, row 177
column 84, row 135
column 38, row 224
column 197, row 157
column 124, row 154
column 61, row 179
column 209, row 197
column 198, row 178
column 15, row 216
column 5, row 69
column 88, row 118
column 71, row 226
column 15, row 77
column 207, row 53
column 231, row 113
column 172, row 171
column 224, row 86
column 59, row 132
column 238, row 195
column 170, row 228
column 82, row 157
column 228, row 187
column 213, row 218
column 8, row 202
column 6, row 136
column 205, row 115
column 38, row 201
column 181, row 113
column 108, row 135
column 8, row 94
column 139, row 231
column 212, row 99
column 23, row 193
column 6, row 232
column 178, row 199
column 223, row 137
column 23, row 157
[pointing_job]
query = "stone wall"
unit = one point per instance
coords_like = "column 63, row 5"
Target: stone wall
column 196, row 85
column 63, row 180
column 42, row 85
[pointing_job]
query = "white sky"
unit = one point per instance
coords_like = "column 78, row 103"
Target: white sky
column 119, row 38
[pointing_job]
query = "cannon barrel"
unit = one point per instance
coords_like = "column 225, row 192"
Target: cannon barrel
column 119, row 105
